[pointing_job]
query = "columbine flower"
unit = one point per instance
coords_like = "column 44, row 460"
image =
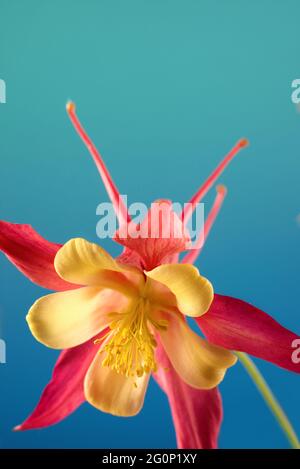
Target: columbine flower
column 119, row 320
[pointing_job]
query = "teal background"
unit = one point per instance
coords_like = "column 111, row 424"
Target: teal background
column 165, row 88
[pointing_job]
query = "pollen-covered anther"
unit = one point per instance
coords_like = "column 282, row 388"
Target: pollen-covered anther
column 130, row 348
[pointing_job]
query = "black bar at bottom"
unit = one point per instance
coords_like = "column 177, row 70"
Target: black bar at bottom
column 139, row 457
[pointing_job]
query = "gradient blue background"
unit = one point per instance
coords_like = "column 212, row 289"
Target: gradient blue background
column 165, row 88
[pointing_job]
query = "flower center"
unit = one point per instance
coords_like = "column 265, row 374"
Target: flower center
column 130, row 349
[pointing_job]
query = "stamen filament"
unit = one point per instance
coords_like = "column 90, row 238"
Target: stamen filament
column 189, row 208
column 270, row 399
column 109, row 184
column 129, row 349
column 193, row 254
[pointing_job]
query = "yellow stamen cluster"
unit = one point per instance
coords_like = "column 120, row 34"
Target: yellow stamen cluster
column 130, row 349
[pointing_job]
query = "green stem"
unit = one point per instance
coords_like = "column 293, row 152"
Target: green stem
column 270, row 399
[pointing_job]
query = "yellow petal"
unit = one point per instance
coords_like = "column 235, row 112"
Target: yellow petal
column 84, row 263
column 200, row 364
column 66, row 319
column 113, row 392
column 193, row 292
